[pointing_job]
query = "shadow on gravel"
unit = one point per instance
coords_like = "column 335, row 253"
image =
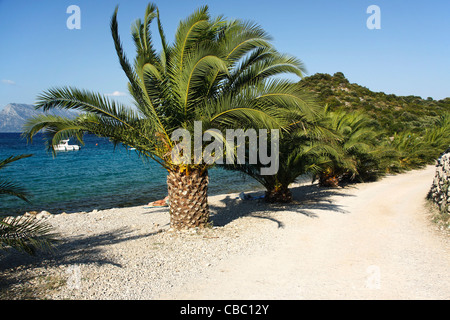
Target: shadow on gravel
column 83, row 249
column 307, row 200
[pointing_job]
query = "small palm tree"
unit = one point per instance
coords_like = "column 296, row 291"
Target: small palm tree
column 355, row 148
column 304, row 149
column 24, row 234
column 218, row 72
column 415, row 150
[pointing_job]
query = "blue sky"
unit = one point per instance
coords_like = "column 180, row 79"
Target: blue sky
column 409, row 55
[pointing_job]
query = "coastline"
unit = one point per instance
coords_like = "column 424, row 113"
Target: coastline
column 253, row 251
column 96, row 177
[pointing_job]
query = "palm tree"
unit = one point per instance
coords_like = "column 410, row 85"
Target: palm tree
column 24, row 234
column 218, row 72
column 303, row 149
column 415, row 150
column 356, row 148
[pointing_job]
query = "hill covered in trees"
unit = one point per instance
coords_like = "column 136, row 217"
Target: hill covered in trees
column 392, row 113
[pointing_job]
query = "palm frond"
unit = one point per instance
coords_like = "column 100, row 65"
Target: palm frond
column 7, row 186
column 26, row 234
column 190, row 33
column 11, row 159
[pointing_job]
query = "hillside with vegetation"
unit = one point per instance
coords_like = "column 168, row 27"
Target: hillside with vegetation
column 374, row 133
column 392, row 113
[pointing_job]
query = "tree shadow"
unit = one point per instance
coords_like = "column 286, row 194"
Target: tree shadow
column 80, row 249
column 69, row 251
column 307, row 200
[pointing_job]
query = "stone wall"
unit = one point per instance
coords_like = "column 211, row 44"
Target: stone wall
column 440, row 191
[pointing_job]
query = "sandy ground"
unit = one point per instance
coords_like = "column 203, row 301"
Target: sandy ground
column 372, row 241
column 366, row 241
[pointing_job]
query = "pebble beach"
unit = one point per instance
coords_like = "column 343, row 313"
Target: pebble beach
column 131, row 253
column 360, row 242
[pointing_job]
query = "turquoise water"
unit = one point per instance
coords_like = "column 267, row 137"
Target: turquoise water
column 95, row 177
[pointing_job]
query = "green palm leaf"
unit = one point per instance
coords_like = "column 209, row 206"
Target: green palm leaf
column 26, row 234
column 9, row 187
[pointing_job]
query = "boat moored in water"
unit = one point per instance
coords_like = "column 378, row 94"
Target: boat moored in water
column 65, row 146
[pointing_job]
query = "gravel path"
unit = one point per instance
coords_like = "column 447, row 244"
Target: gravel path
column 369, row 241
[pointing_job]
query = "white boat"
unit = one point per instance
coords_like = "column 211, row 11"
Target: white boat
column 64, row 146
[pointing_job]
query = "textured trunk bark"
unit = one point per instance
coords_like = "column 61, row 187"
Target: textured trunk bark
column 328, row 180
column 280, row 195
column 188, row 199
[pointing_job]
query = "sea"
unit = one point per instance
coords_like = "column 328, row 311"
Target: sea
column 98, row 176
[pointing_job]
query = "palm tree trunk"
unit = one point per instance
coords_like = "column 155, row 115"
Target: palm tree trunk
column 278, row 195
column 188, row 198
column 328, row 179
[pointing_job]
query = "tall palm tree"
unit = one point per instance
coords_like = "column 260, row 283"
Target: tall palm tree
column 218, row 72
column 24, row 234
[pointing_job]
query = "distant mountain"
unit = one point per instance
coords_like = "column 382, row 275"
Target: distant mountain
column 14, row 115
column 392, row 113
